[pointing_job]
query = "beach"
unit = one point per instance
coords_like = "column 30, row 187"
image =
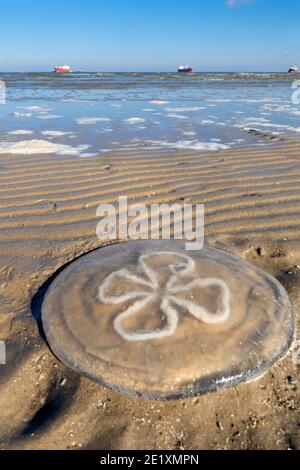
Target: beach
column 48, row 219
column 149, row 231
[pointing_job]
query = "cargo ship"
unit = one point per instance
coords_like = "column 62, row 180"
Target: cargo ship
column 293, row 70
column 185, row 69
column 62, row 69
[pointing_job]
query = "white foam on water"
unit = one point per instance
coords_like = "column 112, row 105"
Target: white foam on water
column 134, row 120
column 89, row 155
column 20, row 132
column 259, row 100
column 247, row 100
column 49, row 116
column 148, row 110
column 83, row 147
column 276, row 108
column 207, row 121
column 255, row 119
column 177, row 116
column 42, row 113
column 190, row 144
column 220, row 100
column 76, row 100
column 251, row 122
column 276, row 126
column 184, row 109
column 18, row 115
column 35, row 109
column 88, row 121
column 159, row 102
column 57, row 133
column 187, row 133
column 35, row 147
column 247, row 125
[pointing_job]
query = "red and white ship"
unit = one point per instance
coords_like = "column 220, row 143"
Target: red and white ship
column 63, row 69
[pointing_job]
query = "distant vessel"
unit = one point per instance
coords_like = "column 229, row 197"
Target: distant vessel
column 293, row 70
column 185, row 69
column 63, row 69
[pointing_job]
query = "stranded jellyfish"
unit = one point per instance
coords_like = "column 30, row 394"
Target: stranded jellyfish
column 150, row 319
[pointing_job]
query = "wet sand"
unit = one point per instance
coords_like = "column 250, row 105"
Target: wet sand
column 47, row 219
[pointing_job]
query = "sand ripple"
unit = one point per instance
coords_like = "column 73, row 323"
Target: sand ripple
column 47, row 218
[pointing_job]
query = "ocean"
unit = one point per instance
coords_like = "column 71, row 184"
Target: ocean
column 88, row 114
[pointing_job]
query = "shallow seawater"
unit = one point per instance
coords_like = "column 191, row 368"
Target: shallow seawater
column 108, row 111
column 148, row 318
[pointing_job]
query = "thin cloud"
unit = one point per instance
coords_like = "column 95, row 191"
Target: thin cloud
column 237, row 3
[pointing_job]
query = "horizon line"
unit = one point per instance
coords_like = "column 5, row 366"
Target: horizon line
column 146, row 71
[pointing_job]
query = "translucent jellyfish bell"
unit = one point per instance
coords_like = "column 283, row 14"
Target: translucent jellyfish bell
column 148, row 318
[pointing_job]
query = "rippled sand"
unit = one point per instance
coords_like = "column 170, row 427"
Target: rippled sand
column 47, row 218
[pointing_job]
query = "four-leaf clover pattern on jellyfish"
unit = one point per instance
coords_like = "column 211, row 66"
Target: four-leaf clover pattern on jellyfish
column 173, row 295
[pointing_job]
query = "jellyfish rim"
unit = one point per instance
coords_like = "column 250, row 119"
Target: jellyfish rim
column 199, row 386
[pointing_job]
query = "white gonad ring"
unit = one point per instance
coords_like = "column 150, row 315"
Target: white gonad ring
column 169, row 294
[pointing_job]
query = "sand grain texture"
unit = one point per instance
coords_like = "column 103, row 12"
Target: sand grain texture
column 47, row 219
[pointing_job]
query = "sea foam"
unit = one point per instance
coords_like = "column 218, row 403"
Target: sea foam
column 185, row 109
column 134, row 120
column 190, row 144
column 56, row 133
column 20, row 132
column 159, row 102
column 177, row 116
column 18, row 115
column 49, row 116
column 35, row 147
column 36, row 109
column 88, row 121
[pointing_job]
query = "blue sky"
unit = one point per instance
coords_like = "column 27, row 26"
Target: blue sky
column 122, row 35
